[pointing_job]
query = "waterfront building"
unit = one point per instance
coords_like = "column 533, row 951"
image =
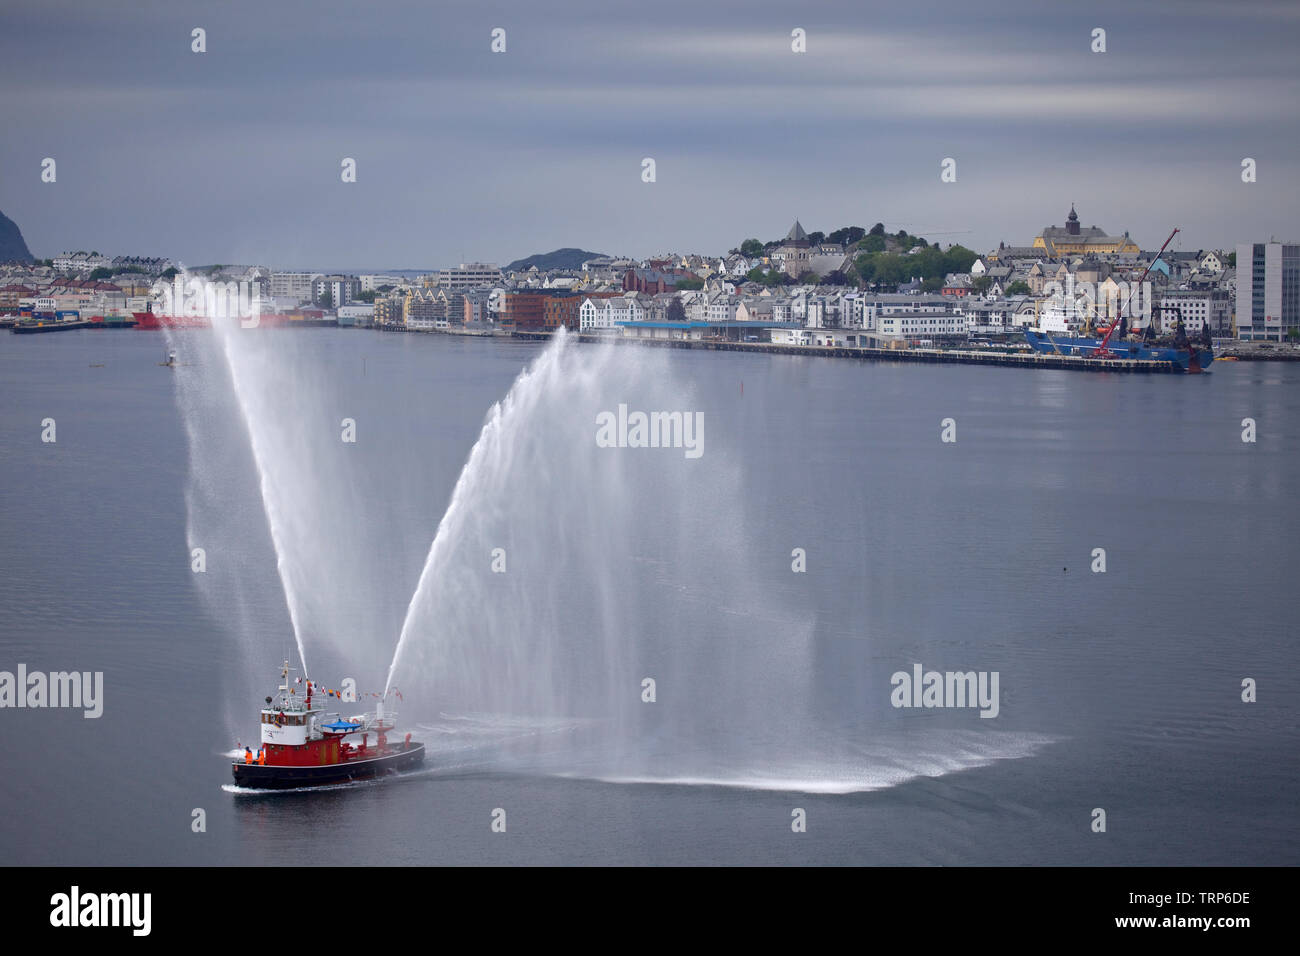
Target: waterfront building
column 920, row 325
column 427, row 310
column 1268, row 290
column 390, row 310
column 841, row 338
column 605, row 313
column 355, row 315
column 524, row 311
column 476, row 307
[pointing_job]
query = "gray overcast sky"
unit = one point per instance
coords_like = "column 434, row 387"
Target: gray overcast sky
column 234, row 155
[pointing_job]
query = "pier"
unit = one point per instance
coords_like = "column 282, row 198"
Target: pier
column 1026, row 359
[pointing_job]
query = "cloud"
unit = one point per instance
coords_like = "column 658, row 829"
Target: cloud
column 462, row 152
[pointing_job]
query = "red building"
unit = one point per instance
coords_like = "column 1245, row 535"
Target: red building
column 545, row 310
column 654, row 281
column 523, row 311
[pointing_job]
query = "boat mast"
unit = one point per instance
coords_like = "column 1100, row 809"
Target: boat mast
column 1102, row 351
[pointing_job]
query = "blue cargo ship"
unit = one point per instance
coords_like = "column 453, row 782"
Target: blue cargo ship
column 1190, row 358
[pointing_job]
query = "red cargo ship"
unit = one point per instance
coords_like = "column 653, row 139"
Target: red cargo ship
column 302, row 746
column 153, row 320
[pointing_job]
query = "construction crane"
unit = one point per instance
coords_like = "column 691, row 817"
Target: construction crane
column 1102, row 350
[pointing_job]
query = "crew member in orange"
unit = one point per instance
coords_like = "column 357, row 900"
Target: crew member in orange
column 261, row 756
column 248, row 755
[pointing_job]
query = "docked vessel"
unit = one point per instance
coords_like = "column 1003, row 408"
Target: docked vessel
column 1176, row 350
column 62, row 321
column 150, row 321
column 1190, row 358
column 303, row 746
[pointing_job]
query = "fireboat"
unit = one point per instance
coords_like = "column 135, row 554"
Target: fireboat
column 303, row 746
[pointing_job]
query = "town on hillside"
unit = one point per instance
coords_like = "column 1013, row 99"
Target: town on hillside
column 852, row 287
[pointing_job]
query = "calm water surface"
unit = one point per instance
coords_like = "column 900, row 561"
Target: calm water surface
column 1119, row 690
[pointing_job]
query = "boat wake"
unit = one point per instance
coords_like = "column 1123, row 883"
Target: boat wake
column 877, row 766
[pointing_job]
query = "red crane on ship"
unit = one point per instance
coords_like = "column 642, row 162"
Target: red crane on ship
column 1102, row 351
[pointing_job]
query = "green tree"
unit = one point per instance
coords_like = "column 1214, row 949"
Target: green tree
column 932, row 284
column 171, row 272
column 1019, row 287
column 1230, row 261
column 768, row 277
column 327, row 298
column 816, row 238
column 959, row 259
column 367, row 296
column 877, row 230
column 688, row 285
column 846, row 235
column 751, row 248
column 981, row 284
column 98, row 275
column 676, row 311
column 872, row 243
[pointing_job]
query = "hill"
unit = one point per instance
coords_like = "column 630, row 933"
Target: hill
column 559, row 259
column 12, row 246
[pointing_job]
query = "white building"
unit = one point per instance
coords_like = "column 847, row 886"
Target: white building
column 295, row 285
column 920, row 324
column 721, row 307
column 826, row 338
column 592, row 317
column 469, row 275
column 596, row 314
column 873, row 305
column 1197, row 308
column 81, row 262
column 341, row 290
